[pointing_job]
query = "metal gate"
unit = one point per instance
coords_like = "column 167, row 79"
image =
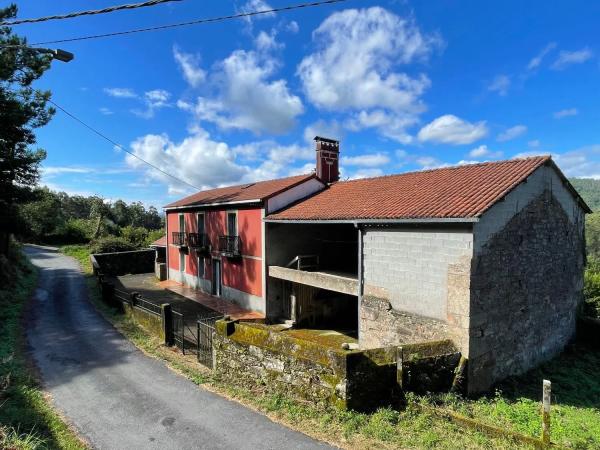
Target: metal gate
column 206, row 330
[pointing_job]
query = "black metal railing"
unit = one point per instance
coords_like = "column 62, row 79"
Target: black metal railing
column 179, row 238
column 229, row 245
column 206, row 331
column 198, row 240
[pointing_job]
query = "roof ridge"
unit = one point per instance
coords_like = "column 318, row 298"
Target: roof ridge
column 545, row 157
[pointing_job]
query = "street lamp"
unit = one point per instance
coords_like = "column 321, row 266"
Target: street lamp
column 59, row 54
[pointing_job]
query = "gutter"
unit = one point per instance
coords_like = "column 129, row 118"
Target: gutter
column 202, row 205
column 381, row 221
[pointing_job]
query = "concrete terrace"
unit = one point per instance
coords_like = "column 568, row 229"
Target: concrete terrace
column 188, row 301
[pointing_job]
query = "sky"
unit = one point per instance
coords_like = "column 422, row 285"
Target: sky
column 403, row 85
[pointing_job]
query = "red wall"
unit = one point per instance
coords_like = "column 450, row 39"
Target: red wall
column 244, row 274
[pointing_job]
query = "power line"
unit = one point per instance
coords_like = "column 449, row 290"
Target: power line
column 119, row 146
column 87, row 13
column 194, row 22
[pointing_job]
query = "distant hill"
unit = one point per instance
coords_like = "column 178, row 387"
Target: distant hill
column 589, row 189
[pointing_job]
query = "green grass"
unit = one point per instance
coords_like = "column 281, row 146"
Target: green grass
column 386, row 428
column 515, row 406
column 575, row 414
column 27, row 421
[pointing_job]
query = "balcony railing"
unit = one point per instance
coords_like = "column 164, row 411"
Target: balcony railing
column 229, row 246
column 198, row 240
column 179, row 238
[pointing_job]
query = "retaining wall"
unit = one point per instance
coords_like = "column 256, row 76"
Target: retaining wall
column 348, row 379
column 122, row 263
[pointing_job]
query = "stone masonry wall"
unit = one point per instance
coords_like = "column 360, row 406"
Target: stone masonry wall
column 409, row 266
column 121, row 263
column 382, row 326
column 526, row 284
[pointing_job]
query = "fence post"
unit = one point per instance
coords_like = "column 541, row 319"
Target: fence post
column 546, row 412
column 132, row 297
column 107, row 290
column 167, row 323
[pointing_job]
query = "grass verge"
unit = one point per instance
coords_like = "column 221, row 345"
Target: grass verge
column 27, row 421
column 574, row 424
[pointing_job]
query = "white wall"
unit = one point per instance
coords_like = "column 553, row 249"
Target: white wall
column 291, row 195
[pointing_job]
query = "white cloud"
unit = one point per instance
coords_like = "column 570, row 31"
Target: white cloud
column 207, row 163
column 120, row 92
column 266, row 41
column 449, row 129
column 355, row 68
column 500, row 84
column 389, row 124
column 59, row 170
column 566, row 113
column 154, row 100
column 246, row 96
column 367, row 160
column 582, row 162
column 256, row 5
column 292, row 27
column 364, row 173
column 329, row 129
column 190, row 67
column 484, row 152
column 429, row 162
column 105, row 111
column 534, row 143
column 535, row 62
column 566, row 58
column 512, row 133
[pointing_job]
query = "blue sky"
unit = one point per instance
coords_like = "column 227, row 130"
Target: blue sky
column 403, row 85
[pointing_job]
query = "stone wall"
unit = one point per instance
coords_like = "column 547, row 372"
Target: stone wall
column 348, row 379
column 526, row 285
column 409, row 266
column 382, row 326
column 122, row 263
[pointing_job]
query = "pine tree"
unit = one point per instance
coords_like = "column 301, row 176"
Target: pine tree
column 22, row 110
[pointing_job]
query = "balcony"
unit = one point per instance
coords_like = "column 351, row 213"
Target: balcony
column 229, row 246
column 199, row 241
column 179, row 239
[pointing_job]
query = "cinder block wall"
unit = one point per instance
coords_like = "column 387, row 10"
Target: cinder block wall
column 409, row 266
column 526, row 279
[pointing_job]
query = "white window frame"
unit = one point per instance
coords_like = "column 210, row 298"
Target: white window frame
column 201, row 263
column 181, row 216
column 203, row 222
column 237, row 222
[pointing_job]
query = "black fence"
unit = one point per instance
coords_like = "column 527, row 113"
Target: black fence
column 191, row 333
column 229, row 246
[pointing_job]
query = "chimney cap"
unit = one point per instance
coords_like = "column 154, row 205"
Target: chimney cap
column 324, row 139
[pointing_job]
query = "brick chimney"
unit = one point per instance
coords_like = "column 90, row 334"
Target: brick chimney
column 328, row 155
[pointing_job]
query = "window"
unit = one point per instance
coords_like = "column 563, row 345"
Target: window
column 181, row 223
column 232, row 224
column 200, row 267
column 201, row 224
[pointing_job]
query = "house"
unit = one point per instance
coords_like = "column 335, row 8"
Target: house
column 490, row 255
column 216, row 238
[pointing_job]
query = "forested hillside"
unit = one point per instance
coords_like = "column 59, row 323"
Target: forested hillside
column 589, row 189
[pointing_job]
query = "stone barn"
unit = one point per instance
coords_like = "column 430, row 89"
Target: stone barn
column 490, row 255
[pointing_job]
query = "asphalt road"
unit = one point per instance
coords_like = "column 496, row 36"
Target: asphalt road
column 114, row 395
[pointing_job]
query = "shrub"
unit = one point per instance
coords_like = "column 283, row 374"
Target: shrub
column 153, row 236
column 591, row 292
column 111, row 244
column 76, row 231
column 136, row 236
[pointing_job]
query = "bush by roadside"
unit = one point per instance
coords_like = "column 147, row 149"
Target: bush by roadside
column 27, row 421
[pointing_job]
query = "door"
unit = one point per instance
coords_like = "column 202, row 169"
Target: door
column 181, row 263
column 216, row 278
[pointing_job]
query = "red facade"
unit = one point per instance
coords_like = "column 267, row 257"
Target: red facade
column 243, row 272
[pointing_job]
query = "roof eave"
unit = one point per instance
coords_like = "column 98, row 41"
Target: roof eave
column 203, row 205
column 378, row 221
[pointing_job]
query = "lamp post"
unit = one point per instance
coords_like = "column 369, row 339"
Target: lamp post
column 58, row 54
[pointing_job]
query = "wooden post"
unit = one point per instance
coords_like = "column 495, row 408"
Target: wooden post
column 167, row 323
column 546, row 412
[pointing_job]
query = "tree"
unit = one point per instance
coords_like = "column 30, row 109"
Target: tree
column 22, row 109
column 43, row 216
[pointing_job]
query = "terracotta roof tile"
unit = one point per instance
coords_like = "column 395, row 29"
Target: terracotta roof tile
column 452, row 192
column 243, row 192
column 160, row 242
